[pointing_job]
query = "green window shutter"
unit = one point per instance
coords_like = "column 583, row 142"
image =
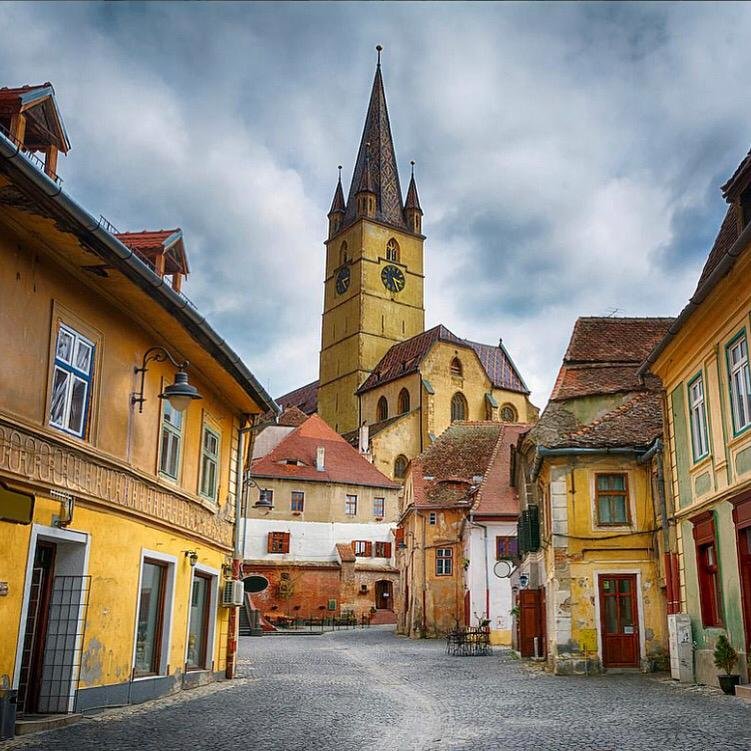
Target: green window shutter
column 680, row 436
column 534, row 528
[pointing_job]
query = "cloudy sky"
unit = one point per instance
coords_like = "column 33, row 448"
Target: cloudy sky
column 569, row 156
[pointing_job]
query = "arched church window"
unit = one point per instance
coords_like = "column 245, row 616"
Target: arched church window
column 458, row 407
column 508, row 413
column 403, row 401
column 456, row 367
column 392, row 250
column 383, row 409
column 400, row 466
column 343, row 255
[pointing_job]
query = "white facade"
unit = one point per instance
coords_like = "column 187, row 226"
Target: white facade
column 269, row 438
column 315, row 541
column 490, row 597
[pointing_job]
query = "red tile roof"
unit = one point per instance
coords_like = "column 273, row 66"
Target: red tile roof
column 496, row 496
column 446, row 473
column 727, row 235
column 346, row 554
column 148, row 244
column 146, row 239
column 342, row 463
column 405, row 357
column 292, row 417
column 16, row 93
column 614, row 340
column 304, row 398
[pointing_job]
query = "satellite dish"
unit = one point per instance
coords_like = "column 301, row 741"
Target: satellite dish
column 255, row 583
column 503, row 569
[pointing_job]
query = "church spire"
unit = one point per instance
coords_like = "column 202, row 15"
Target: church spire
column 377, row 148
column 412, row 209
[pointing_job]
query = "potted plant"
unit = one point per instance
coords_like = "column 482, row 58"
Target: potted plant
column 725, row 658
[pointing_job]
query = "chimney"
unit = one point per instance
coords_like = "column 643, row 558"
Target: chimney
column 364, row 441
column 320, row 453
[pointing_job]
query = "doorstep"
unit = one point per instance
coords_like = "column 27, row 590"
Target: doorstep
column 744, row 693
column 37, row 723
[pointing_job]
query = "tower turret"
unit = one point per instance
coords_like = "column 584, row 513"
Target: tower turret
column 336, row 212
column 412, row 210
column 365, row 197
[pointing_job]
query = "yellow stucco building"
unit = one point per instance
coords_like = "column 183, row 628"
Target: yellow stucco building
column 378, row 365
column 591, row 590
column 704, row 365
column 117, row 506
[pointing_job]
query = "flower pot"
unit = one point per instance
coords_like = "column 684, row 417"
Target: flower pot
column 728, row 683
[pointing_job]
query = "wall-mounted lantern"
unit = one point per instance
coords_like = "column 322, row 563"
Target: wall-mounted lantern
column 192, row 557
column 179, row 394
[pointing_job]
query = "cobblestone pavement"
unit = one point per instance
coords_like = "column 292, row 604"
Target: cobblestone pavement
column 370, row 689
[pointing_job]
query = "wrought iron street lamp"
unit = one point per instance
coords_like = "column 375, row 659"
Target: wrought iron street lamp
column 179, row 394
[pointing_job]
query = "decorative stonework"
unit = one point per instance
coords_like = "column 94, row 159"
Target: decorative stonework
column 55, row 466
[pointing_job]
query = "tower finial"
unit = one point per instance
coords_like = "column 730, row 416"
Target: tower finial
column 412, row 163
column 379, row 49
column 340, row 172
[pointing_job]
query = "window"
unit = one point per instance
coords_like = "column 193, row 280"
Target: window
column 383, row 550
column 298, row 501
column 362, row 548
column 382, row 410
column 343, row 256
column 458, row 407
column 400, row 466
column 432, row 518
column 508, row 413
column 150, row 617
column 456, row 367
column 379, row 507
column 171, row 441
column 697, row 409
column 506, row 547
column 198, row 622
column 403, row 401
column 444, row 561
column 350, row 505
column 392, row 250
column 71, row 381
column 278, row 542
column 708, row 571
column 209, row 463
column 740, row 383
column 611, row 499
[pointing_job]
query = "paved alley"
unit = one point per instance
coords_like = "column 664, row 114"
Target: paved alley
column 372, row 690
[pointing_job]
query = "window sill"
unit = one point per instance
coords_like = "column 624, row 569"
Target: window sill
column 740, row 437
column 701, row 464
column 149, row 677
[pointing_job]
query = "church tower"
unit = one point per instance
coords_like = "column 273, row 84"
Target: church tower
column 373, row 296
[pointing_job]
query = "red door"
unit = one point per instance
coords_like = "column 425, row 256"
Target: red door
column 531, row 621
column 742, row 518
column 619, row 618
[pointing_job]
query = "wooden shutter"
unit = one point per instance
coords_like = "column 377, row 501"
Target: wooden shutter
column 369, row 549
column 386, row 549
column 285, row 542
column 399, row 536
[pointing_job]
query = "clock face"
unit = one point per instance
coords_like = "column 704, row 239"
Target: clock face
column 392, row 278
column 342, row 280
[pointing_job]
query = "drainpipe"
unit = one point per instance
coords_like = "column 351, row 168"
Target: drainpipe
column 239, row 543
column 671, row 581
column 424, row 580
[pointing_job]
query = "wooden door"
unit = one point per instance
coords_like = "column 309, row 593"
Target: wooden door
column 384, row 595
column 744, row 565
column 530, row 621
column 619, row 620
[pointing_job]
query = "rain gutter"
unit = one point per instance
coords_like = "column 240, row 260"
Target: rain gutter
column 723, row 267
column 542, row 452
column 140, row 273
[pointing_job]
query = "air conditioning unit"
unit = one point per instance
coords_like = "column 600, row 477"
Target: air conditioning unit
column 681, row 645
column 233, row 593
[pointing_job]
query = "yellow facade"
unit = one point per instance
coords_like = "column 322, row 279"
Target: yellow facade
column 712, row 484
column 578, row 552
column 101, row 503
column 362, row 323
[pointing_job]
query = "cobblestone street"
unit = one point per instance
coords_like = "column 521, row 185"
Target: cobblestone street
column 372, row 690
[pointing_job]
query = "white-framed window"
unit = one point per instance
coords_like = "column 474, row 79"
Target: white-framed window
column 444, row 561
column 379, row 507
column 210, row 443
column 432, row 518
column 350, row 505
column 740, row 382
column 171, row 441
column 71, row 381
column 698, row 412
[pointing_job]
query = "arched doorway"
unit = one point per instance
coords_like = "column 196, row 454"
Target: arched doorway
column 384, row 595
